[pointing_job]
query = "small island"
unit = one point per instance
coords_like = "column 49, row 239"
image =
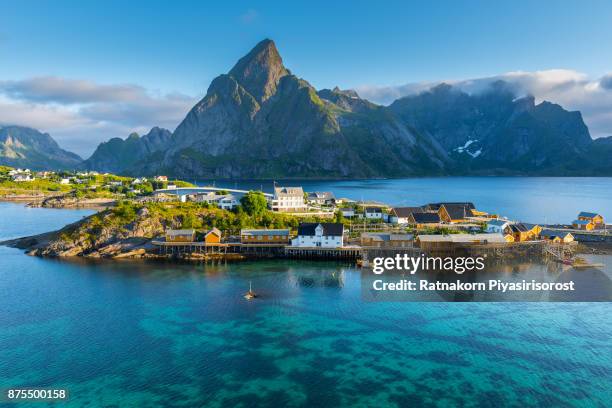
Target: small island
column 157, row 218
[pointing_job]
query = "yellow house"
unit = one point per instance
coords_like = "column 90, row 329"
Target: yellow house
column 181, row 235
column 525, row 232
column 264, row 236
column 509, row 237
column 213, row 237
column 557, row 236
column 583, row 225
column 594, row 218
column 455, row 212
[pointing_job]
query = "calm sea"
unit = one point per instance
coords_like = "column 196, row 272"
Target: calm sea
column 530, row 199
column 159, row 334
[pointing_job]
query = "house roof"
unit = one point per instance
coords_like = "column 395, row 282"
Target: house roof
column 520, row 227
column 587, row 214
column 458, row 211
column 373, row 210
column 434, row 238
column 215, row 231
column 329, row 228
column 326, row 195
column 581, row 222
column 464, row 238
column 385, row 236
column 288, row 191
column 175, row 232
column 498, row 223
column 551, row 233
column 264, row 232
column 404, row 212
column 426, row 218
column 436, row 206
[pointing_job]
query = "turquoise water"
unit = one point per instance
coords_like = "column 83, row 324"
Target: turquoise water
column 529, row 199
column 158, row 334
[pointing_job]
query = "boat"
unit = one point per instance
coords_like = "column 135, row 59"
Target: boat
column 250, row 295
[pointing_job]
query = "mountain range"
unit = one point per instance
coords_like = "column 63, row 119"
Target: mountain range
column 25, row 147
column 261, row 121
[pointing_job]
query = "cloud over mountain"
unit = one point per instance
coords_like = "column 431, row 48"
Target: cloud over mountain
column 572, row 89
column 81, row 113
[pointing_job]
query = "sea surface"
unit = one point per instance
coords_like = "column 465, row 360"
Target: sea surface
column 547, row 200
column 143, row 334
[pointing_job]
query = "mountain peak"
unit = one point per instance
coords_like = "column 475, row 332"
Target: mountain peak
column 260, row 70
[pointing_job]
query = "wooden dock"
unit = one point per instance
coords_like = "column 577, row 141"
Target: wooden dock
column 345, row 253
column 199, row 247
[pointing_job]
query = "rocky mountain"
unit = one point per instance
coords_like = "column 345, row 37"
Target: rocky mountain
column 261, row 121
column 118, row 155
column 26, row 147
column 496, row 132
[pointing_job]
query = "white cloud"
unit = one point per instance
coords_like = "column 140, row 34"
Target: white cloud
column 571, row 89
column 79, row 114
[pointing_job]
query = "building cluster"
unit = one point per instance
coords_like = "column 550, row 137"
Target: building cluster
column 309, row 235
column 589, row 221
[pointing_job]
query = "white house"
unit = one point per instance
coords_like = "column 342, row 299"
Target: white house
column 497, row 226
column 288, row 199
column 373, row 213
column 225, row 201
column 65, row 181
column 347, row 212
column 321, row 198
column 324, row 235
column 22, row 177
column 401, row 215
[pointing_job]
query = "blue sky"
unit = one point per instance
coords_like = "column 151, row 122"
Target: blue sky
column 170, row 51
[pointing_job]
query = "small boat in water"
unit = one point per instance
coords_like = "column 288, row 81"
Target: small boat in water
column 250, row 295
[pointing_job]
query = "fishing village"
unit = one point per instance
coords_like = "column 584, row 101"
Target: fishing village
column 158, row 218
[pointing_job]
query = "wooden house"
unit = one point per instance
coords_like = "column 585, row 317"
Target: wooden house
column 213, row 237
column 525, row 232
column 424, row 219
column 373, row 213
column 557, row 236
column 455, row 212
column 180, row 235
column 401, row 215
column 452, row 241
column 264, row 236
column 386, row 240
column 596, row 219
column 583, row 225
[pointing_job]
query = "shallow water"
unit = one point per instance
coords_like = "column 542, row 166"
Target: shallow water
column 159, row 334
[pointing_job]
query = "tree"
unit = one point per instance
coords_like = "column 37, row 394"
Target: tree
column 254, row 203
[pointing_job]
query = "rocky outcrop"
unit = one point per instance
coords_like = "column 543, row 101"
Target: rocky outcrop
column 70, row 200
column 97, row 236
column 25, row 147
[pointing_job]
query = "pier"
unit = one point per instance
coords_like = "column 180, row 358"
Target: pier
column 346, row 253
